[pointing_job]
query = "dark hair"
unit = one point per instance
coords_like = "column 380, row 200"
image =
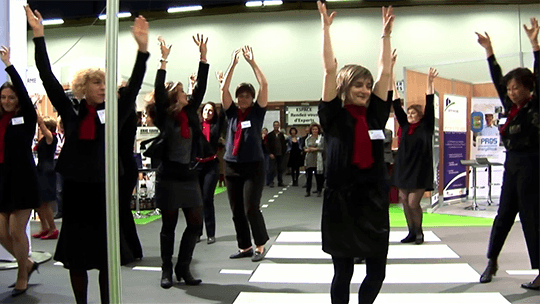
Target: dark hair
column 245, row 87
column 314, row 124
column 523, row 76
column 293, row 128
column 7, row 85
column 214, row 118
column 418, row 108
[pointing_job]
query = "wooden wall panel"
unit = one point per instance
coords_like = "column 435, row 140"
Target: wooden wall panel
column 484, row 90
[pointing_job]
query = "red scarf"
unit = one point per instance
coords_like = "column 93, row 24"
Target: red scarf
column 412, row 127
column 206, row 129
column 362, row 156
column 238, row 132
column 4, row 122
column 87, row 128
column 513, row 112
column 184, row 123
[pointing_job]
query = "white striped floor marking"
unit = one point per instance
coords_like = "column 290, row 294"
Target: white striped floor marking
column 439, row 251
column 284, row 189
column 146, row 268
column 448, row 273
column 383, row 298
column 271, row 200
column 276, row 195
column 280, row 192
column 523, row 272
column 264, row 206
column 58, row 264
column 315, row 236
column 236, row 271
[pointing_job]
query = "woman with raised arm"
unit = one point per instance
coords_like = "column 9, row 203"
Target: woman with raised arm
column 19, row 192
column 519, row 194
column 82, row 244
column 413, row 169
column 177, row 185
column 245, row 172
column 212, row 125
column 353, row 113
column 46, row 148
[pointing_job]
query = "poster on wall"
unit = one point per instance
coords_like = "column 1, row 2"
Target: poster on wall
column 486, row 143
column 301, row 115
column 455, row 146
column 436, row 149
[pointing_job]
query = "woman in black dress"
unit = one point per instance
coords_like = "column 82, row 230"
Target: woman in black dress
column 355, row 220
column 244, row 156
column 413, row 169
column 294, row 148
column 519, row 194
column 46, row 148
column 177, row 185
column 82, row 244
column 19, row 192
column 212, row 125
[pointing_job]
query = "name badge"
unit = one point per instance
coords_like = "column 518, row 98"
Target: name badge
column 101, row 115
column 17, row 121
column 246, row 124
column 376, row 134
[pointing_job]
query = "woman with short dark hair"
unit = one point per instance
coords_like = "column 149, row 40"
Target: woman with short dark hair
column 294, row 149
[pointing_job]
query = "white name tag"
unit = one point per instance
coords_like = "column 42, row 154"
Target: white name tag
column 17, row 121
column 246, row 124
column 376, row 134
column 101, row 115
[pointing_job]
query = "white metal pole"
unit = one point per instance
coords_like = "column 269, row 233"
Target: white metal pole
column 111, row 153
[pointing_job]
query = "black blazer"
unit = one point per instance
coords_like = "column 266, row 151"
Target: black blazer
column 19, row 169
column 209, row 148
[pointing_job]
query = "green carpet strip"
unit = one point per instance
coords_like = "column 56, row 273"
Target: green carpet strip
column 397, row 219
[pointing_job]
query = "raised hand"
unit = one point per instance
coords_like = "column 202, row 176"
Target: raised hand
column 193, row 77
column 201, row 43
column 484, row 41
column 139, row 29
column 165, row 50
column 236, row 56
column 388, row 20
column 220, row 76
column 532, row 32
column 247, row 51
column 432, row 74
column 35, row 20
column 4, row 55
column 326, row 19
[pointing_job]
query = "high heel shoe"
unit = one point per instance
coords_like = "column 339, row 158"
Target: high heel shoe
column 182, row 272
column 166, row 277
column 489, row 272
column 35, row 267
column 17, row 292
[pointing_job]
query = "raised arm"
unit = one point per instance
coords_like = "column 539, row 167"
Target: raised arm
column 140, row 33
column 494, row 67
column 262, row 97
column 401, row 116
column 202, row 75
column 160, row 95
column 52, row 86
column 49, row 137
column 329, row 90
column 429, row 111
column 25, row 103
column 532, row 34
column 385, row 60
column 226, row 97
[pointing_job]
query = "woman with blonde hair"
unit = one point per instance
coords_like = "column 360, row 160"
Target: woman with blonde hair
column 353, row 113
column 82, row 244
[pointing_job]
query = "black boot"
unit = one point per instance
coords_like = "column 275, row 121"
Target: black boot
column 410, row 238
column 182, row 272
column 419, row 236
column 187, row 245
column 167, row 247
column 489, row 272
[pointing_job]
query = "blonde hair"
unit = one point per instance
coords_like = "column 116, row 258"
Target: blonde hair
column 81, row 78
column 50, row 123
column 347, row 76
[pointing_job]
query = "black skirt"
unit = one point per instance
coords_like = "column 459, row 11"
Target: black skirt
column 16, row 196
column 177, row 186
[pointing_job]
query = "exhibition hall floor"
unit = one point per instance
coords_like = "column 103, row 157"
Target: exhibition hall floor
column 445, row 269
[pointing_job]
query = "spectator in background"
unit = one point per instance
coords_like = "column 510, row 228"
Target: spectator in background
column 294, row 149
column 276, row 148
column 314, row 159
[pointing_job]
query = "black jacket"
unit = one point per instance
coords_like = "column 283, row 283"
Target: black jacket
column 272, row 142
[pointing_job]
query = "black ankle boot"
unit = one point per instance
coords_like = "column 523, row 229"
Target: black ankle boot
column 411, row 237
column 166, row 276
column 182, row 272
column 489, row 272
column 419, row 236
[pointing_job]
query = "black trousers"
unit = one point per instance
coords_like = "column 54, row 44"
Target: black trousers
column 343, row 272
column 318, row 177
column 519, row 194
column 276, row 166
column 245, row 183
column 208, row 178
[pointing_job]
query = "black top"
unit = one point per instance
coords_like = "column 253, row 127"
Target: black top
column 210, row 148
column 45, row 154
column 413, row 167
column 82, row 160
column 250, row 145
column 18, row 172
column 522, row 131
column 339, row 126
column 276, row 143
column 169, row 125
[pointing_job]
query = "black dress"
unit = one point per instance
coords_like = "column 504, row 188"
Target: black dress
column 355, row 220
column 295, row 156
column 413, row 168
column 18, row 176
column 45, row 169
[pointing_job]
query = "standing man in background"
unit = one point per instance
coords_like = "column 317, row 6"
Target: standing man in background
column 277, row 149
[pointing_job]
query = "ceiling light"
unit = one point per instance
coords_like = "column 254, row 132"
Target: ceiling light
column 184, row 9
column 272, row 2
column 254, row 3
column 120, row 15
column 52, row 21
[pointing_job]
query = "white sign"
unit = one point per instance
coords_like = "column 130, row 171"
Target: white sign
column 455, row 113
column 302, row 115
